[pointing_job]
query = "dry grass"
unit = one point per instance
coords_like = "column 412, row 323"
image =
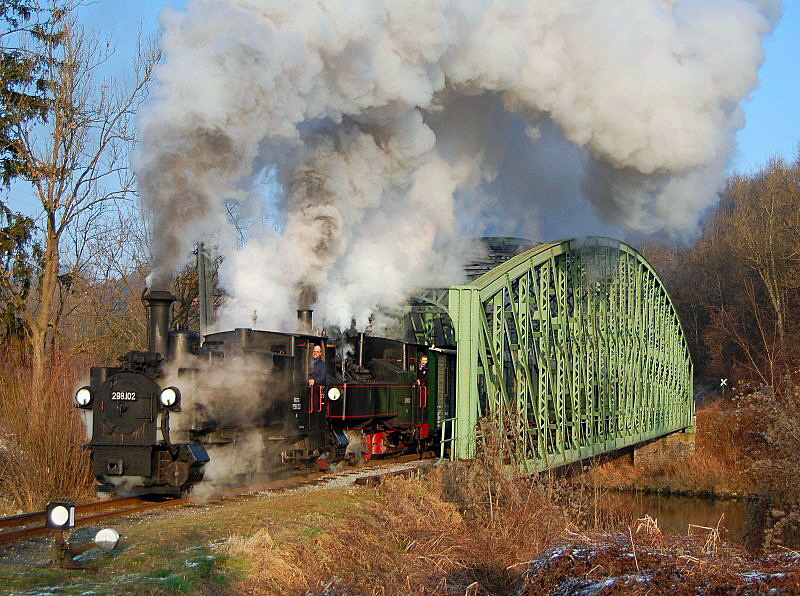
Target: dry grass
column 465, row 528
column 41, row 435
column 645, row 561
column 716, row 467
column 450, row 531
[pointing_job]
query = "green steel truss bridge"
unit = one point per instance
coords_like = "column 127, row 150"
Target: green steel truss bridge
column 572, row 349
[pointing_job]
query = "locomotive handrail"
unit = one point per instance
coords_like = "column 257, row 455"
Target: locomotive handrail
column 314, row 409
column 311, row 407
column 421, row 390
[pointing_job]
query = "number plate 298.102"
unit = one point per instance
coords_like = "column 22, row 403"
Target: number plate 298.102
column 123, row 395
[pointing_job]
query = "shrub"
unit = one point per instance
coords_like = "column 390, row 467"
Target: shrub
column 41, row 437
column 772, row 422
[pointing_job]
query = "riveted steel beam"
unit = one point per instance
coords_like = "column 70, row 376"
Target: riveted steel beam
column 572, row 349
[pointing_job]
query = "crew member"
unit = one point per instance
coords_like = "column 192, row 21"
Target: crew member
column 422, row 369
column 318, row 370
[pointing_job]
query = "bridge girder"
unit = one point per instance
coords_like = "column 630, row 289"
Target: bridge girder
column 572, row 349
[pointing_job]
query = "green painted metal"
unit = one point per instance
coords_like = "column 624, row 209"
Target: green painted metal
column 426, row 321
column 573, row 349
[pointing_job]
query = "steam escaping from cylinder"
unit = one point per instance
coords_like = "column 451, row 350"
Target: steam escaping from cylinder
column 338, row 153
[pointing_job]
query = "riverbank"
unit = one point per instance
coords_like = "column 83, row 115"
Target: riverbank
column 715, row 468
column 697, row 475
column 463, row 531
column 646, row 561
column 463, row 528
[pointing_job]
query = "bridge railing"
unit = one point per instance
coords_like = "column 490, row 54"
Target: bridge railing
column 448, row 438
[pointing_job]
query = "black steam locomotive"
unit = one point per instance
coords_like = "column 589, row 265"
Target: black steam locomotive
column 161, row 418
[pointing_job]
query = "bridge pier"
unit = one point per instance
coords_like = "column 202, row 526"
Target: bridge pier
column 664, row 450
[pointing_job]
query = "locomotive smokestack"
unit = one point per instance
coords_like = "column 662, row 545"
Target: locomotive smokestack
column 158, row 303
column 304, row 317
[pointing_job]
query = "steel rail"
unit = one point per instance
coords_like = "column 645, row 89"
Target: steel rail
column 28, row 525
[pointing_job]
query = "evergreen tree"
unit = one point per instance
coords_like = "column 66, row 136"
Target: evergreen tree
column 23, row 81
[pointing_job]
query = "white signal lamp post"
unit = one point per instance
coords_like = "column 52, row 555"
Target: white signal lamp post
column 60, row 516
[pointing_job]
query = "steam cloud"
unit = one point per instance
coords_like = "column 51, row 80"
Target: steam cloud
column 232, row 397
column 386, row 131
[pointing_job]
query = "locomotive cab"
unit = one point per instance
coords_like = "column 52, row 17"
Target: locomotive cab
column 290, row 409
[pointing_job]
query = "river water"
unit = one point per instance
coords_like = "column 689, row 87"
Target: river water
column 739, row 520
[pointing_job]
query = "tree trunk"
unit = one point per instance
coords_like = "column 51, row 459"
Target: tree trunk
column 37, row 344
column 42, row 319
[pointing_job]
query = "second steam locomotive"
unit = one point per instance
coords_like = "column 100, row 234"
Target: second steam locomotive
column 162, row 417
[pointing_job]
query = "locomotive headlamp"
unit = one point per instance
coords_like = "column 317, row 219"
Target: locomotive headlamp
column 334, row 393
column 170, row 397
column 60, row 515
column 83, row 397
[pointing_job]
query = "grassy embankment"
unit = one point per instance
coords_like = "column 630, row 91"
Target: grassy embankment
column 463, row 528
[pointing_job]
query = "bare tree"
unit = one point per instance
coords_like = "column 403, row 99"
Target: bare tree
column 102, row 314
column 76, row 160
column 765, row 226
column 737, row 287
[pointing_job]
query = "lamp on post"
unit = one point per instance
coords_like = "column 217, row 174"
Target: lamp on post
column 59, row 517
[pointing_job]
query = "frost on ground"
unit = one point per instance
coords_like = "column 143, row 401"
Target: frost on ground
column 598, row 564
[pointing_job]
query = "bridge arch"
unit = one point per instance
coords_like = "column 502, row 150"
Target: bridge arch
column 573, row 349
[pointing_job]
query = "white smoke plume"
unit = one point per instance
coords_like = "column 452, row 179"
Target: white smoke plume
column 233, row 466
column 390, row 129
column 232, row 400
column 229, row 393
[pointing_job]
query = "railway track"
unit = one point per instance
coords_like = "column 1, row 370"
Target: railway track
column 14, row 528
column 28, row 525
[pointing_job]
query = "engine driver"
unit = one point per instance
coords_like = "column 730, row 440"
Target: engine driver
column 318, row 370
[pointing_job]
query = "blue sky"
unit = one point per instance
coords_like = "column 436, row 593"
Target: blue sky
column 773, row 110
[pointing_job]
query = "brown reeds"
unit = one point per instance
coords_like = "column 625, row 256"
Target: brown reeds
column 469, row 527
column 41, row 436
column 716, row 467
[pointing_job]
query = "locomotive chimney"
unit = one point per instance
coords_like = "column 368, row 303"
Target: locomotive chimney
column 304, row 320
column 158, row 303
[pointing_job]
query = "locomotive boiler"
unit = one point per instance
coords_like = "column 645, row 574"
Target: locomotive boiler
column 160, row 418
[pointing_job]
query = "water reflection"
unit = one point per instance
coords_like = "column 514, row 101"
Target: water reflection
column 740, row 520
